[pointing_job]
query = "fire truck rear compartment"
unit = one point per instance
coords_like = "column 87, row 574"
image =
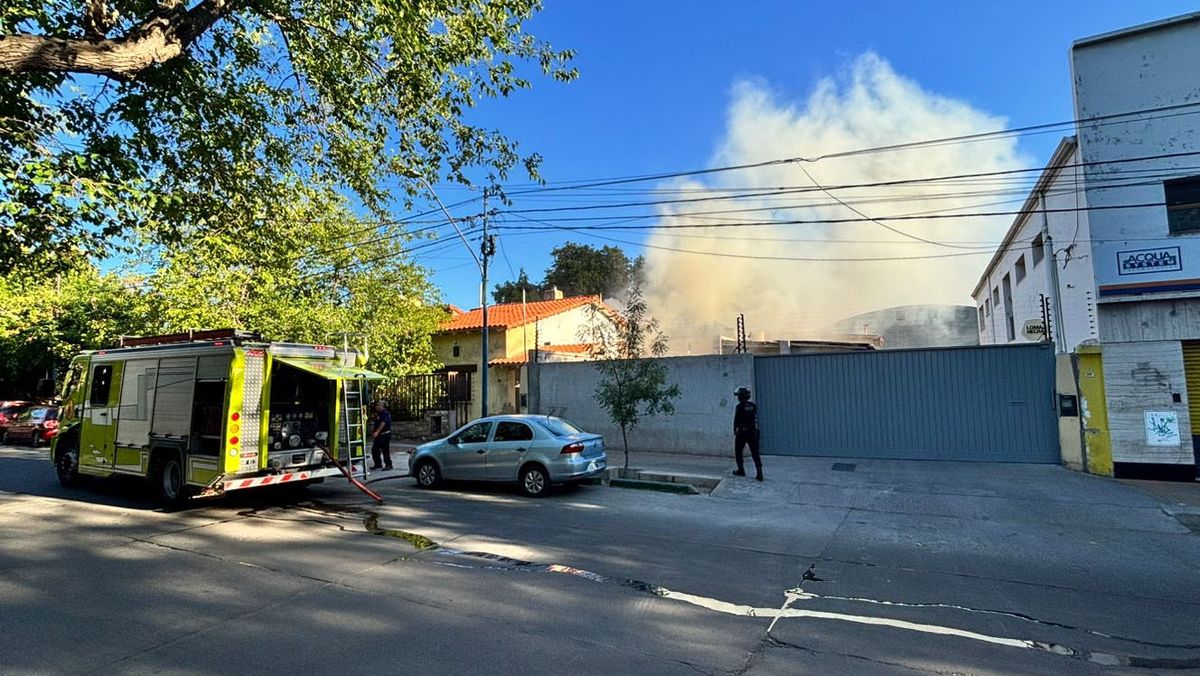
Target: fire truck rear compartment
column 301, row 408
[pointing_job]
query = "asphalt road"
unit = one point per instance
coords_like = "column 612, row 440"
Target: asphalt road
column 476, row 579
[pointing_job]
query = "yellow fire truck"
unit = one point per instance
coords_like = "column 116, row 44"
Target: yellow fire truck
column 203, row 413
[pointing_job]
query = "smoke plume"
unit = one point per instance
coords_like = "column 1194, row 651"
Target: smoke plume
column 866, row 105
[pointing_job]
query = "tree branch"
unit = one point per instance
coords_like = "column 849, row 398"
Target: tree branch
column 159, row 38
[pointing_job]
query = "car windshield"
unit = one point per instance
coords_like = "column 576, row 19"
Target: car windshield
column 558, row 427
column 38, row 413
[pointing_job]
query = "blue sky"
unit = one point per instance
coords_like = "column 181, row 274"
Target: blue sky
column 656, row 79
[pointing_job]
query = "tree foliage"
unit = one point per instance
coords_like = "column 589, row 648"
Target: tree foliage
column 581, row 269
column 516, row 291
column 130, row 119
column 577, row 270
column 43, row 322
column 304, row 277
column 633, row 380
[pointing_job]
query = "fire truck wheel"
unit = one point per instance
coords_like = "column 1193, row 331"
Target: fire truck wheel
column 169, row 480
column 66, row 465
column 428, row 475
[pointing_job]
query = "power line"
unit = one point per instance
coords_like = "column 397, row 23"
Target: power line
column 896, row 182
column 836, row 221
column 722, row 254
column 1100, row 120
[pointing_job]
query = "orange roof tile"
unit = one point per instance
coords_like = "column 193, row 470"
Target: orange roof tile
column 574, row 348
column 509, row 315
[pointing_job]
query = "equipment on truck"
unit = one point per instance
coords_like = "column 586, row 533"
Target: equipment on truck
column 203, row 413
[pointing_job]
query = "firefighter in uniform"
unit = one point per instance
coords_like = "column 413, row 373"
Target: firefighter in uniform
column 745, row 432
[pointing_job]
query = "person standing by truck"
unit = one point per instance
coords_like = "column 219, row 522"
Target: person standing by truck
column 381, row 433
column 745, row 432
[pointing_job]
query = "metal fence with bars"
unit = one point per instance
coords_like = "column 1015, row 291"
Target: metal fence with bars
column 412, row 397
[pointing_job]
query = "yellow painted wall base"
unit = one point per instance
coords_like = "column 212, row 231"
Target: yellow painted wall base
column 1093, row 409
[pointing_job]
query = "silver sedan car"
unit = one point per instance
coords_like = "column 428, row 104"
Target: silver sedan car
column 533, row 450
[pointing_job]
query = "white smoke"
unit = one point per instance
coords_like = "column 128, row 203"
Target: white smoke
column 867, row 105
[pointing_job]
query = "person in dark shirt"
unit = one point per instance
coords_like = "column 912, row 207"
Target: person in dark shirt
column 381, row 432
column 745, row 432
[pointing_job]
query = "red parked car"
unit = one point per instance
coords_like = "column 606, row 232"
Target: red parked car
column 9, row 410
column 35, row 426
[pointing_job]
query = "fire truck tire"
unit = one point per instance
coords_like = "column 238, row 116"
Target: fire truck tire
column 169, row 480
column 427, row 474
column 66, row 465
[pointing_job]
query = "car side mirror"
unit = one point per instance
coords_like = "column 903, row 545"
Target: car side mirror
column 453, row 441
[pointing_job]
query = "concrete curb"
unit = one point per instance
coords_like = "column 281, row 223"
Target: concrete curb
column 663, row 486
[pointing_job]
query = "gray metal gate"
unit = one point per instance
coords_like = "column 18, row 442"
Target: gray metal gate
column 992, row 403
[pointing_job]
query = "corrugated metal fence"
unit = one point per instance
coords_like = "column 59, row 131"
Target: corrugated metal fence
column 993, row 404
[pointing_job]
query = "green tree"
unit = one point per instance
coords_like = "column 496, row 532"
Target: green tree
column 45, row 321
column 581, row 269
column 300, row 278
column 633, row 378
column 129, row 119
column 511, row 292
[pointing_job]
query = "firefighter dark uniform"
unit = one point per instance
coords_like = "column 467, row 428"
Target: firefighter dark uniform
column 745, row 432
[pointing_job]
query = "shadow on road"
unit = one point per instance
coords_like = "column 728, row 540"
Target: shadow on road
column 27, row 471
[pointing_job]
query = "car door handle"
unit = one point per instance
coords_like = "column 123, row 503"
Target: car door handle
column 520, row 450
column 481, row 451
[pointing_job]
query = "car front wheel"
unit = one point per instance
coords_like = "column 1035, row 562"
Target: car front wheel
column 535, row 482
column 427, row 474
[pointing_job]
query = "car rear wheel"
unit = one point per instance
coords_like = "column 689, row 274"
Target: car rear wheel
column 66, row 465
column 535, row 482
column 428, row 475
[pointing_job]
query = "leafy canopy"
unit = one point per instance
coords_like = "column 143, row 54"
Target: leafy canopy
column 578, row 270
column 130, row 119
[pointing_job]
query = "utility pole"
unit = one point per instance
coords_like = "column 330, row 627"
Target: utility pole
column 487, row 247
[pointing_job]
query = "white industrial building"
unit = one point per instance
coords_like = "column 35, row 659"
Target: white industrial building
column 1109, row 237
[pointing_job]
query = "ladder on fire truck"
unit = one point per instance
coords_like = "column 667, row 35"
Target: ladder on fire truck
column 352, row 437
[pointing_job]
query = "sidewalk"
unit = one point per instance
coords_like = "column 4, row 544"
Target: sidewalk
column 1180, row 499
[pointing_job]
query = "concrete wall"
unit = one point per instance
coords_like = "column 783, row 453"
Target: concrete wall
column 703, row 420
column 1149, row 68
column 470, row 346
column 1140, row 377
column 1070, row 437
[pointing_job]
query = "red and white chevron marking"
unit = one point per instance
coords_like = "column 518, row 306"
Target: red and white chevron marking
column 268, row 480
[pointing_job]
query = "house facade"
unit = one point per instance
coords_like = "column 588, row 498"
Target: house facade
column 1108, row 244
column 545, row 331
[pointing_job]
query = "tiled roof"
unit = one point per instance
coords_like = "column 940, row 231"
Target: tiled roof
column 509, row 315
column 573, row 348
column 576, row 348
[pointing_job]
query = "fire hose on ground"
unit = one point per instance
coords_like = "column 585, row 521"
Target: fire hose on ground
column 358, row 484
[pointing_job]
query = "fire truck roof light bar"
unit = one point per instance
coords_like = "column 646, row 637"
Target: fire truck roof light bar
column 190, row 336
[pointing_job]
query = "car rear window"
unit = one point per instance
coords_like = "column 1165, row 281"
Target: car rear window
column 558, row 427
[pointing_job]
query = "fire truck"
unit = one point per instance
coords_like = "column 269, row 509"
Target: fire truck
column 203, row 413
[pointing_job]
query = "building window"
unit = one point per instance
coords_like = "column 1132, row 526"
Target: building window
column 981, row 315
column 1183, row 204
column 1038, row 249
column 1020, row 268
column 987, row 307
column 1009, row 322
column 996, row 298
column 457, row 350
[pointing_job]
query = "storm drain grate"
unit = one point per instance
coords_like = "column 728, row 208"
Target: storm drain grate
column 844, row 466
